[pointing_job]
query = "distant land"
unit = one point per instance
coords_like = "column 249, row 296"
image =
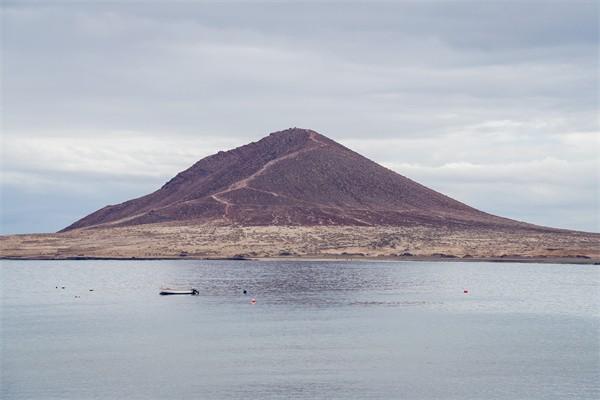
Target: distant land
column 297, row 193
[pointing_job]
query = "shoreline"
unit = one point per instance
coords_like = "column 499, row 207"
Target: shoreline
column 323, row 258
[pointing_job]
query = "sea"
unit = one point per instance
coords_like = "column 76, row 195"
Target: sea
column 99, row 329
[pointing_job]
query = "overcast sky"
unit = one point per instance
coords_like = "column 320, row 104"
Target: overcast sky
column 492, row 103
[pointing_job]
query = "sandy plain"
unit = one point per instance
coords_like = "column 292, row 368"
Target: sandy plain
column 156, row 241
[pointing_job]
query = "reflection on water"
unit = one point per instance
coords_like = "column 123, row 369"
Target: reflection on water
column 389, row 303
column 350, row 330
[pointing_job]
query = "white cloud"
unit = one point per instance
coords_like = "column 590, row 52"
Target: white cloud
column 128, row 155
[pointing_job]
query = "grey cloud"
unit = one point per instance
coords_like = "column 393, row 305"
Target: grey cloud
column 171, row 66
column 417, row 85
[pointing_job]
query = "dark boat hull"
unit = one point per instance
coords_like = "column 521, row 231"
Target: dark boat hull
column 173, row 292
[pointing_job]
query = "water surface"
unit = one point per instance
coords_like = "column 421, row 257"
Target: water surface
column 319, row 330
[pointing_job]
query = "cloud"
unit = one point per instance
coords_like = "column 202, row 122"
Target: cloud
column 470, row 98
column 124, row 155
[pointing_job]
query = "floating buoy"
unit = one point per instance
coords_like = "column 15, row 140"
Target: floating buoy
column 253, row 301
column 465, row 291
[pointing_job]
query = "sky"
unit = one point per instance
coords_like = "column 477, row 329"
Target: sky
column 492, row 103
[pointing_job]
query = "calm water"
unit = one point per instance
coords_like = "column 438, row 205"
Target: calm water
column 319, row 330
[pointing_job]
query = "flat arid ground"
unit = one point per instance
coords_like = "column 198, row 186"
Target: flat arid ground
column 211, row 241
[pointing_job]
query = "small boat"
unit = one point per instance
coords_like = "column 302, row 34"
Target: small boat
column 168, row 291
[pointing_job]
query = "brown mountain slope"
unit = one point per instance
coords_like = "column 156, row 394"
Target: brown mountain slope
column 294, row 177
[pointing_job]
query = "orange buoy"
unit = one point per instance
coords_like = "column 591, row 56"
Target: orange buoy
column 253, row 301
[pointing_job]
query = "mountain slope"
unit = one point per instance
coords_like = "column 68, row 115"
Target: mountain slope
column 294, row 177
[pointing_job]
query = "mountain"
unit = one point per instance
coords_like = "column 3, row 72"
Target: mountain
column 295, row 177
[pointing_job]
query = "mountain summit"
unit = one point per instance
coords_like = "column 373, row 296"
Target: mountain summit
column 293, row 177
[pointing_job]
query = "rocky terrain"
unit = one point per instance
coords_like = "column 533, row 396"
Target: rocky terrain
column 296, row 193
